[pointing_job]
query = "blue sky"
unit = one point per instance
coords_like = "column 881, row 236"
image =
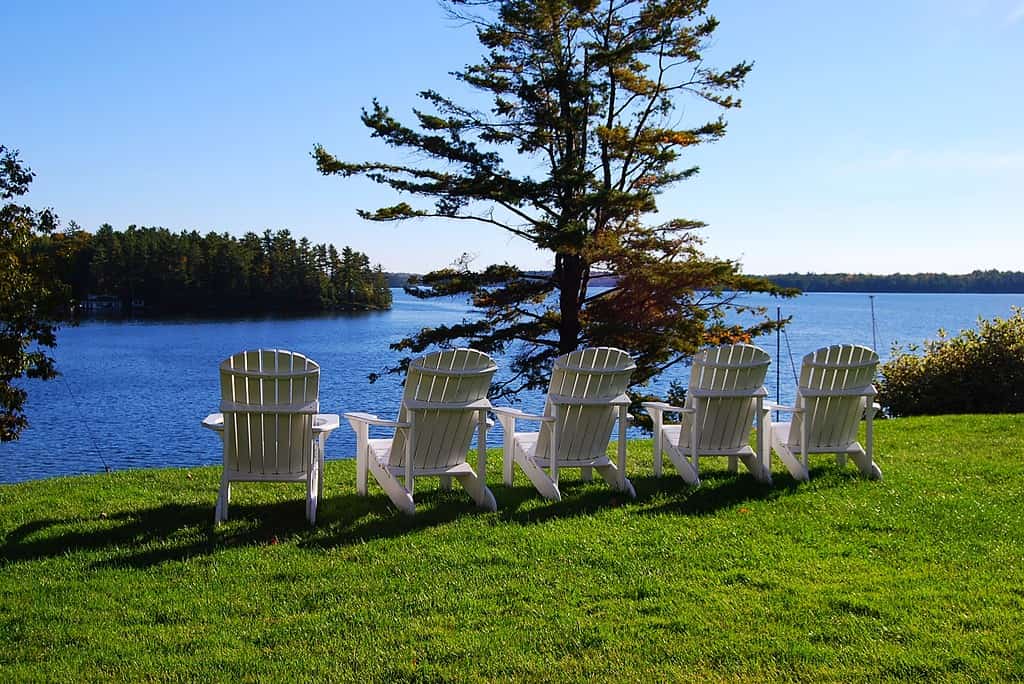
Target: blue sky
column 875, row 137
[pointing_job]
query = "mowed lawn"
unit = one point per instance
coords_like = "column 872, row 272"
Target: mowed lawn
column 918, row 577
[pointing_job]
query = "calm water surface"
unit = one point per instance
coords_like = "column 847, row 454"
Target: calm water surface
column 133, row 393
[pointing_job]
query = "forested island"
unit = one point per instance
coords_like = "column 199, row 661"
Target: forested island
column 986, row 282
column 153, row 271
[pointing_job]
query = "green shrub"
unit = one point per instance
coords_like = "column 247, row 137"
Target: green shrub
column 978, row 371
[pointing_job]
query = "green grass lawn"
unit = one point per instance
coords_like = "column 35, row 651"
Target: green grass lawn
column 918, row 577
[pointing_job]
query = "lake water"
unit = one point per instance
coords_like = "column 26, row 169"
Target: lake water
column 132, row 393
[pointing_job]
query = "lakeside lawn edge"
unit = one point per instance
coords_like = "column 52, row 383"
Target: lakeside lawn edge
column 915, row 577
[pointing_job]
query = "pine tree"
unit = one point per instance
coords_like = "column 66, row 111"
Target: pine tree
column 587, row 91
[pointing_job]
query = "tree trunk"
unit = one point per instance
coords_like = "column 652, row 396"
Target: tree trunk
column 568, row 272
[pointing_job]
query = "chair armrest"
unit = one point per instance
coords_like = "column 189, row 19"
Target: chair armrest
column 370, row 419
column 214, row 421
column 322, row 422
column 510, row 412
column 326, row 423
column 662, row 407
column 782, row 409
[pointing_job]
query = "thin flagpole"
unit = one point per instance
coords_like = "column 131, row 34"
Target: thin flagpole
column 874, row 334
column 778, row 358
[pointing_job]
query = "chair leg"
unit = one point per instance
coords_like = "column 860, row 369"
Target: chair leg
column 320, row 465
column 867, row 467
column 796, row 466
column 683, row 465
column 540, row 479
column 616, row 481
column 399, row 494
column 220, row 513
column 476, row 488
column 756, row 468
column 312, row 492
column 507, row 451
column 362, row 457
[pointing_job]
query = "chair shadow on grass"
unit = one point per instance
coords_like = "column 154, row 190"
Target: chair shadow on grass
column 351, row 519
column 146, row 537
column 170, row 532
column 522, row 504
column 719, row 490
column 54, row 537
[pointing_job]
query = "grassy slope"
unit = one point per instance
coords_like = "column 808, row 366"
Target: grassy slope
column 919, row 576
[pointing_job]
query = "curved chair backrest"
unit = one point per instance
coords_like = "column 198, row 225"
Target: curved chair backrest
column 452, row 376
column 725, row 382
column 269, row 398
column 833, row 384
column 594, row 374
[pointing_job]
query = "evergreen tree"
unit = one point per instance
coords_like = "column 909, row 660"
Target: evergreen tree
column 189, row 273
column 586, row 91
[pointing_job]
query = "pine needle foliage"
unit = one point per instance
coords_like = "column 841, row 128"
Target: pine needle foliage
column 584, row 93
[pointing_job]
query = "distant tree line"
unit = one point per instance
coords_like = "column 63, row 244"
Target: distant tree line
column 977, row 281
column 193, row 274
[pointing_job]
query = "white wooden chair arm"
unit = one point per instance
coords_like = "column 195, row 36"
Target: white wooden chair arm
column 662, row 407
column 510, row 412
column 370, row 419
column 326, row 423
column 323, row 423
column 559, row 400
column 214, row 421
column 782, row 409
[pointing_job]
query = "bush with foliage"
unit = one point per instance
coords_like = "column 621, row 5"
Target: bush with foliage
column 977, row 371
column 33, row 300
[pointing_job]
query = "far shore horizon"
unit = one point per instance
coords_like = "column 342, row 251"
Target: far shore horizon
column 979, row 281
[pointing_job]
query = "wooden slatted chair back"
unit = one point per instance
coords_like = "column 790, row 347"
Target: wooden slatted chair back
column 738, row 370
column 843, row 375
column 450, row 376
column 595, row 373
column 269, row 398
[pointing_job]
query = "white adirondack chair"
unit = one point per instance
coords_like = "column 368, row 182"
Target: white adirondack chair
column 444, row 400
column 269, row 424
column 725, row 395
column 833, row 393
column 585, row 398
